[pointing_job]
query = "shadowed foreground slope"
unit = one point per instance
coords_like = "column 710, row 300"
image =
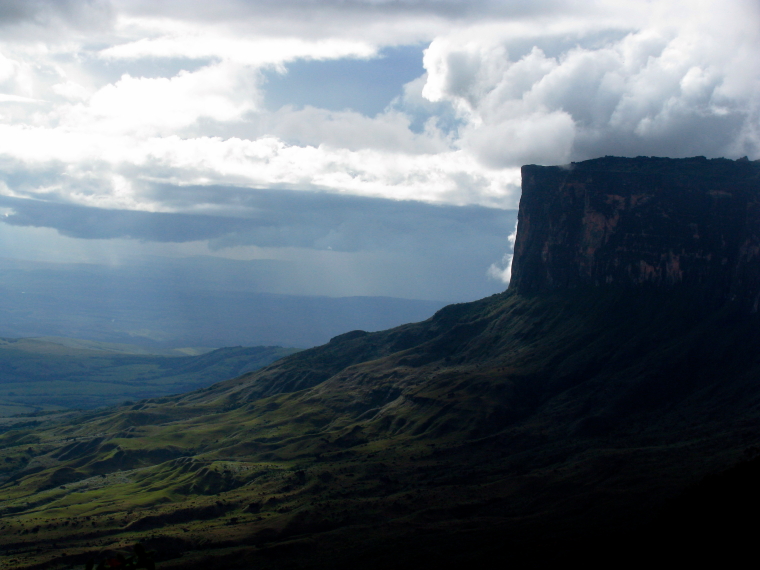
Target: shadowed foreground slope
column 496, row 428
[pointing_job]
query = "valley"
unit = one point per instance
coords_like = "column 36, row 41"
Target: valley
column 160, row 305
column 54, row 374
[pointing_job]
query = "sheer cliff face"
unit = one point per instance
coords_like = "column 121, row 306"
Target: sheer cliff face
column 651, row 222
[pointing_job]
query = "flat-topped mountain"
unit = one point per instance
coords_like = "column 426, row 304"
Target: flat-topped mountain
column 572, row 418
column 658, row 222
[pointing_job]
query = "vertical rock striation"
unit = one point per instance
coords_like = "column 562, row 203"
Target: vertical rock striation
column 686, row 223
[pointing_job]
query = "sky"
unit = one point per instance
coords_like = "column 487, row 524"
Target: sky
column 372, row 146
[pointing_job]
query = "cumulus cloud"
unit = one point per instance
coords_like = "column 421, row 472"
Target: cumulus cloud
column 680, row 83
column 194, row 43
column 161, row 106
column 93, row 165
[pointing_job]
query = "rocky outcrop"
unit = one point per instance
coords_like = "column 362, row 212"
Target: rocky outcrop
column 642, row 222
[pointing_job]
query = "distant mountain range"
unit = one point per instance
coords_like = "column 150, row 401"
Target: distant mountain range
column 158, row 306
column 569, row 420
column 54, row 374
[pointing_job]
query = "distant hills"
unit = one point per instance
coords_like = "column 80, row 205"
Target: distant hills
column 46, row 374
column 596, row 423
column 163, row 306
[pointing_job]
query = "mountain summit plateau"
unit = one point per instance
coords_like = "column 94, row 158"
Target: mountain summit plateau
column 658, row 222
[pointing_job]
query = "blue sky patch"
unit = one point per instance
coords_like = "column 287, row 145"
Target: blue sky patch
column 363, row 85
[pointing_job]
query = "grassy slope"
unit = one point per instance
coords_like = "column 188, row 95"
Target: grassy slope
column 39, row 375
column 490, row 429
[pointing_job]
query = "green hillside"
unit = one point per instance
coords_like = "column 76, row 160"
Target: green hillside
column 534, row 429
column 45, row 374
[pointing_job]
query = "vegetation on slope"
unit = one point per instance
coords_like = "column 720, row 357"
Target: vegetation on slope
column 494, row 428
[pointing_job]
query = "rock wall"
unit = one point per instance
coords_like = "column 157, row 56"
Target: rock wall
column 652, row 222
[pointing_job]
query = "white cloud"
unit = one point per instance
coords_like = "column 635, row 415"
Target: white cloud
column 268, row 161
column 150, row 106
column 197, row 43
column 389, row 131
column 503, row 271
column 5, row 98
column 688, row 86
column 525, row 139
column 172, row 92
column 71, row 90
column 92, row 159
column 16, row 78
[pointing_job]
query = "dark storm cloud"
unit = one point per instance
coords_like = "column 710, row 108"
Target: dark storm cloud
column 345, row 245
column 276, row 218
column 96, row 223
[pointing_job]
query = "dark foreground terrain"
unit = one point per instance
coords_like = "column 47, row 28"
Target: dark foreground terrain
column 572, row 419
column 520, row 427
